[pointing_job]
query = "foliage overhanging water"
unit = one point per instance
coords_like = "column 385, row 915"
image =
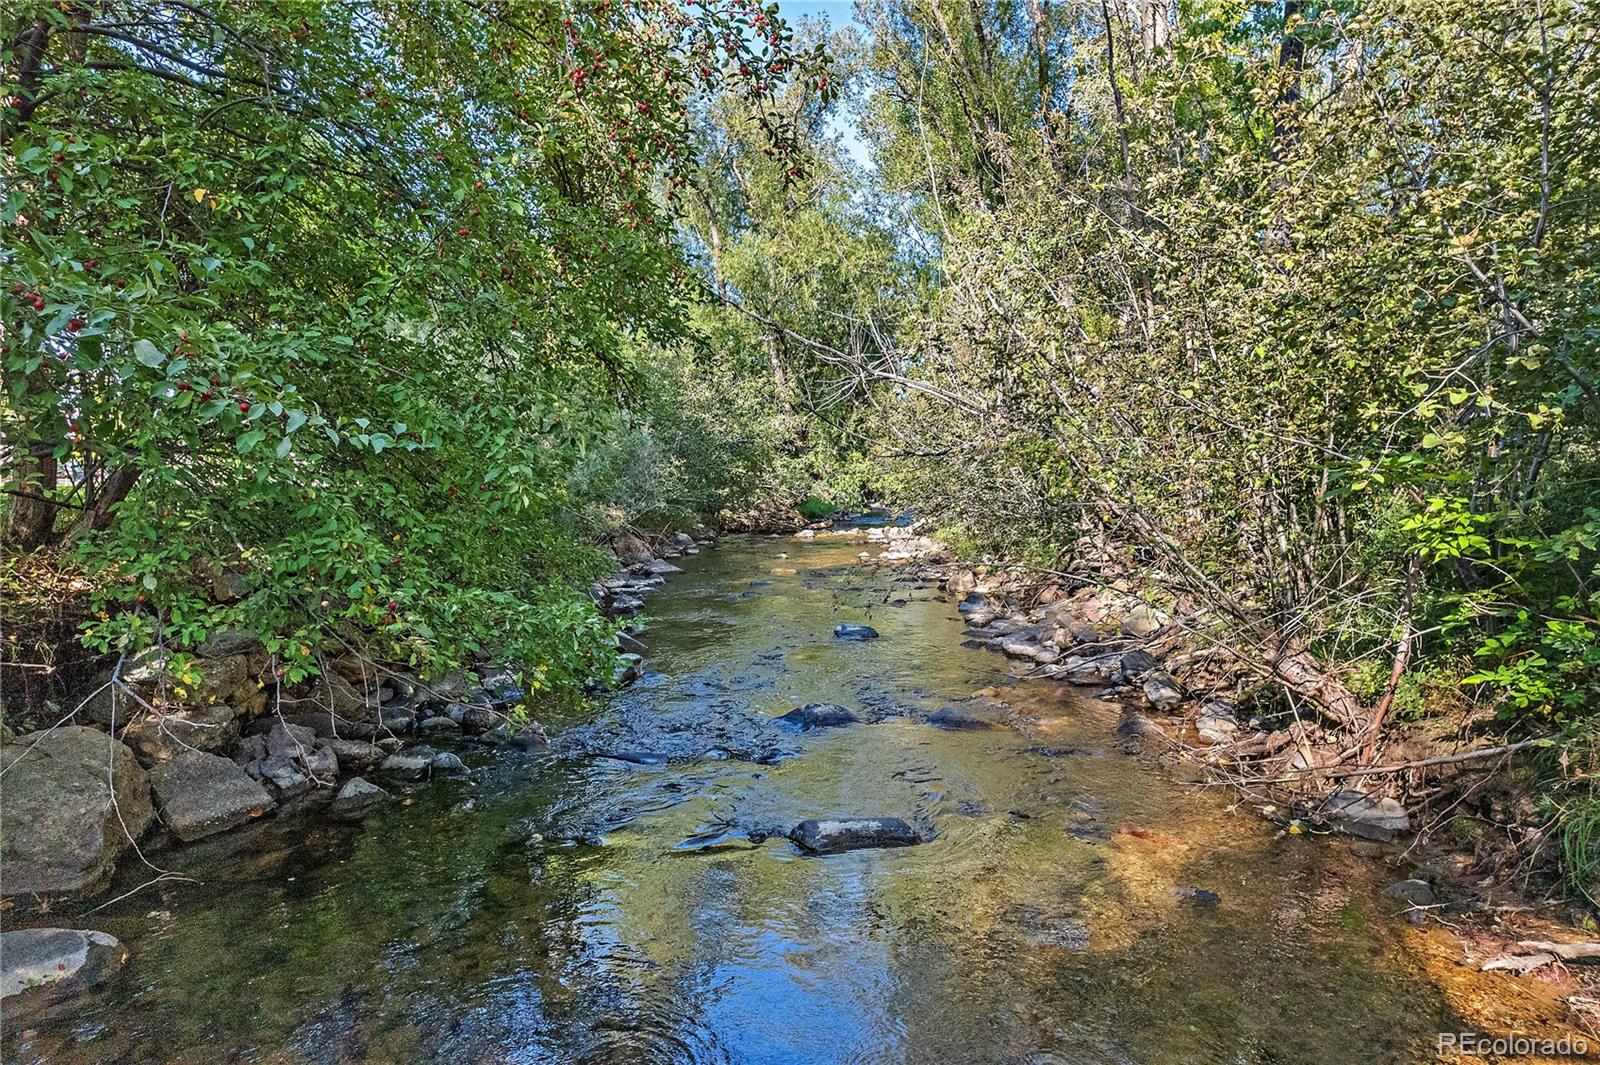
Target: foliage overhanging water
column 592, row 909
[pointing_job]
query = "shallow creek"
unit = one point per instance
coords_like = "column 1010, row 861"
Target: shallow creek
column 575, row 908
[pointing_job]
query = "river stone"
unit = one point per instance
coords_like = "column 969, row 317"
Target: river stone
column 64, row 826
column 1076, row 669
column 201, row 794
column 661, row 566
column 830, row 836
column 357, row 796
column 1216, row 723
column 1136, row 662
column 438, row 724
column 1361, row 815
column 411, row 764
column 819, row 715
column 1414, row 892
column 41, row 966
column 1139, row 727
column 354, row 754
column 956, row 719
column 1142, row 621
column 1161, row 691
column 445, row 762
column 157, row 737
column 855, row 632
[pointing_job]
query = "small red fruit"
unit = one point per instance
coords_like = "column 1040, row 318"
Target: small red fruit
column 244, row 406
column 119, row 283
column 75, row 325
column 393, row 606
column 205, row 395
column 461, row 232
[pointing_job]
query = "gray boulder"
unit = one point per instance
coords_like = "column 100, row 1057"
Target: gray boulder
column 1161, row 691
column 660, row 567
column 438, row 724
column 855, row 632
column 411, row 764
column 356, row 797
column 1216, row 723
column 830, row 836
column 65, row 823
column 41, row 966
column 1414, row 892
column 201, row 794
column 354, row 754
column 819, row 715
column 1362, row 815
column 449, row 764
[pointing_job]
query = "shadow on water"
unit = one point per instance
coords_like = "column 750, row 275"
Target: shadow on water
column 593, row 906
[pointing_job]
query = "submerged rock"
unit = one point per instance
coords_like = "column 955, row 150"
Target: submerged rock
column 1359, row 814
column 634, row 757
column 956, row 719
column 855, row 632
column 819, row 715
column 201, row 794
column 830, row 836
column 1139, row 727
column 41, row 966
column 73, row 798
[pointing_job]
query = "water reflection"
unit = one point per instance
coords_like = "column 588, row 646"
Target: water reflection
column 596, row 909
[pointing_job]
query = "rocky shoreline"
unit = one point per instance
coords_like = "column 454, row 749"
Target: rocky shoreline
column 168, row 750
column 188, row 762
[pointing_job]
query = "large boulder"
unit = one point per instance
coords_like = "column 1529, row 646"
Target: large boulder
column 41, row 966
column 201, row 794
column 75, row 799
column 630, row 549
column 830, row 835
column 157, row 737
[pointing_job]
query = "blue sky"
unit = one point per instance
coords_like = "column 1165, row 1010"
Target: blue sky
column 838, row 13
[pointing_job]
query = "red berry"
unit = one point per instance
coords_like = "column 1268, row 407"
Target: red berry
column 461, row 232
column 38, row 303
column 91, row 264
column 75, row 325
column 119, row 283
column 205, row 395
column 393, row 606
column 184, row 386
column 244, row 406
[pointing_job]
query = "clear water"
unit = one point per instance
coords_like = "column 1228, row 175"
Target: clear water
column 586, row 909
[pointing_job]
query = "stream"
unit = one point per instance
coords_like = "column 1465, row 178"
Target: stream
column 630, row 896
